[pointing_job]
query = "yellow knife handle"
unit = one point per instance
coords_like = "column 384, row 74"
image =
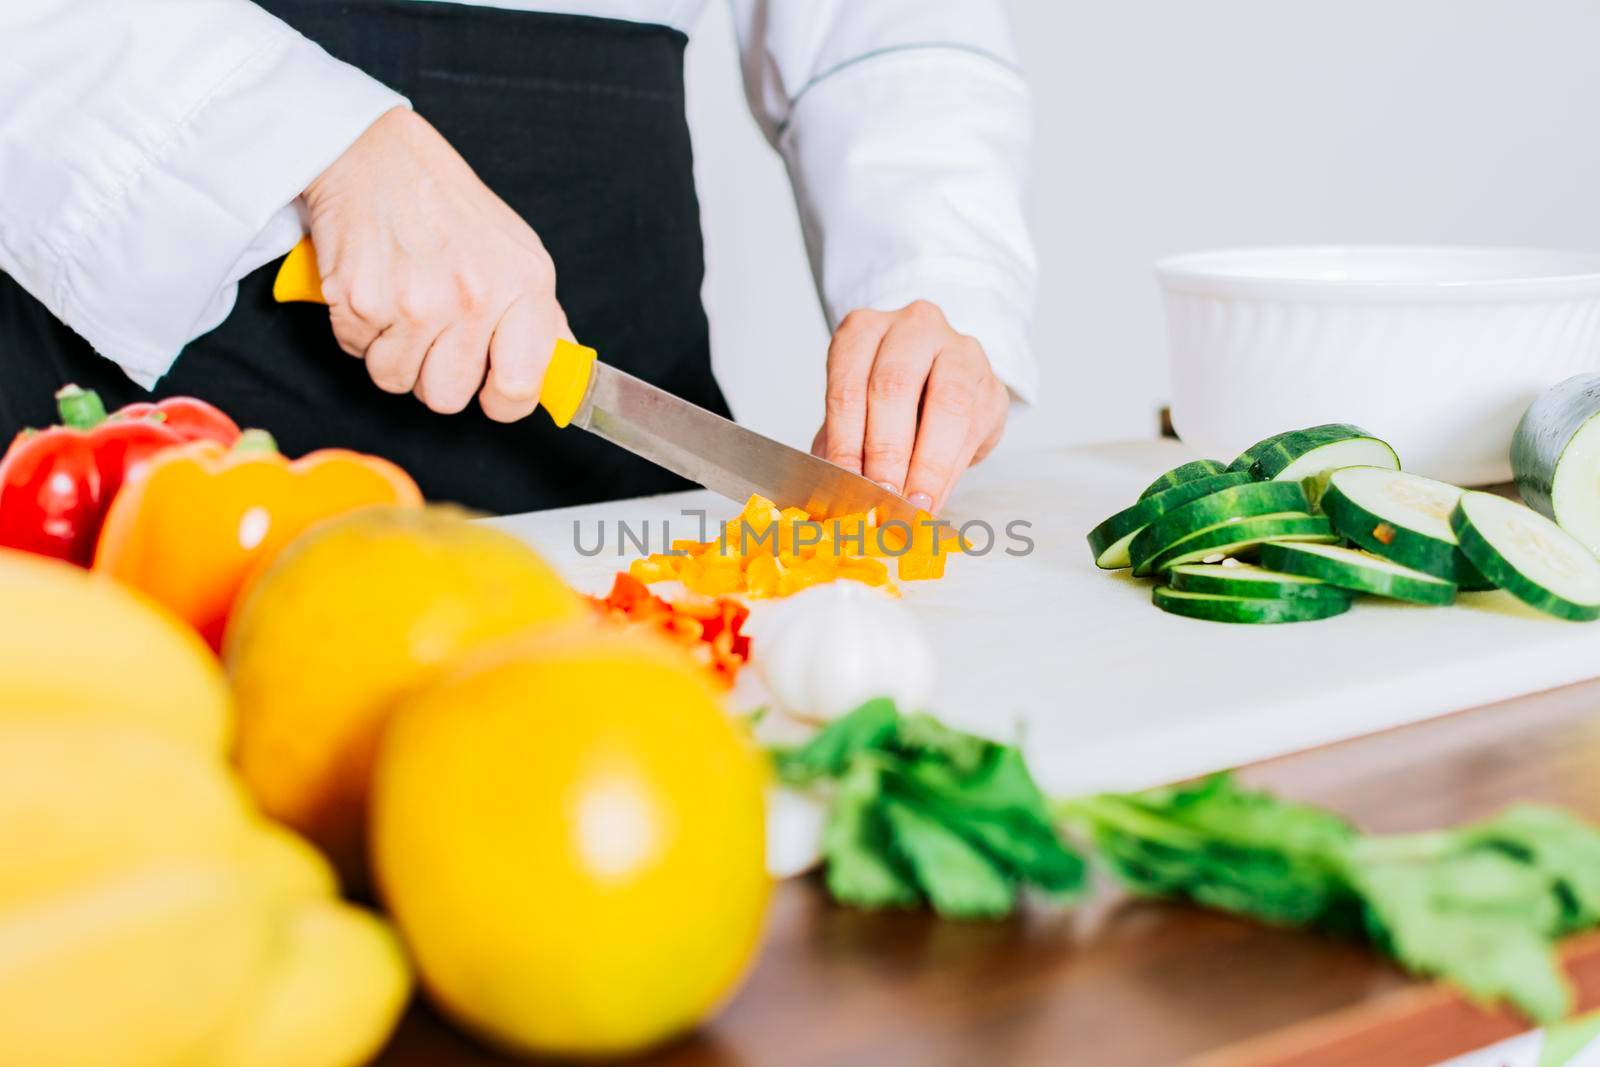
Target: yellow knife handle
column 299, row 280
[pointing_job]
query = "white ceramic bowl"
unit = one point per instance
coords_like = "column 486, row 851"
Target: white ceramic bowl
column 1436, row 349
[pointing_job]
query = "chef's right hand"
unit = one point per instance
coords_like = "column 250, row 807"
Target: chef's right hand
column 430, row 277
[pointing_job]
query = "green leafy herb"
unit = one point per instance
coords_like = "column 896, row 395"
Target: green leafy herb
column 925, row 812
column 1222, row 847
column 1481, row 906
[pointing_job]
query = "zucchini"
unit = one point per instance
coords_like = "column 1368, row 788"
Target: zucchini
column 1401, row 517
column 1358, row 571
column 1215, row 608
column 1555, row 454
column 1232, row 578
column 1109, row 541
column 1187, row 472
column 1528, row 556
column 1235, row 502
column 1235, row 536
column 1310, row 456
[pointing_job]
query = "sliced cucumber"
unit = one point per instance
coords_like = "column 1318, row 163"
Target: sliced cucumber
column 1215, row 608
column 1358, row 571
column 1401, row 517
column 1233, row 578
column 1110, row 540
column 1235, row 502
column 1555, row 455
column 1187, row 472
column 1528, row 556
column 1246, row 460
column 1235, row 536
column 1303, row 453
column 1310, row 456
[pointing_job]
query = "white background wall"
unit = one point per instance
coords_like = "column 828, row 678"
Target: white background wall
column 1172, row 125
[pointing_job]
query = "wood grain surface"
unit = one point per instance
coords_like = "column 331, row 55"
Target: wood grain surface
column 1120, row 983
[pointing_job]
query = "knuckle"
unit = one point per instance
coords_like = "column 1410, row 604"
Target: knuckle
column 951, row 398
column 443, row 400
column 845, row 397
column 924, row 311
column 879, row 454
column 893, row 383
column 413, row 305
column 859, row 321
column 538, row 273
column 367, row 303
column 501, row 409
column 335, row 290
column 391, row 381
column 472, row 293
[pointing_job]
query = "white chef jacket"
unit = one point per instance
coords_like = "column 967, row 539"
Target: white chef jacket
column 152, row 153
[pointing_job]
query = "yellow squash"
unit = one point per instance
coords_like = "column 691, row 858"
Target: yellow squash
column 149, row 918
column 78, row 646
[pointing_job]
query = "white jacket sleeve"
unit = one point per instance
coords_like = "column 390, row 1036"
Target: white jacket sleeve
column 150, row 155
column 906, row 127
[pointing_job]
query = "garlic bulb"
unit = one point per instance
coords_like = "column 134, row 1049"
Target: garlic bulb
column 827, row 650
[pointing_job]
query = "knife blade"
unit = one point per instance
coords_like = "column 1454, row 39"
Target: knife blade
column 721, row 455
column 667, row 430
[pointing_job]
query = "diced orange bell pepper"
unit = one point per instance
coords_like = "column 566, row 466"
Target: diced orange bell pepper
column 203, row 518
column 717, row 579
column 759, row 512
column 925, row 558
column 763, row 575
column 813, row 571
column 688, row 547
column 656, row 567
column 864, row 570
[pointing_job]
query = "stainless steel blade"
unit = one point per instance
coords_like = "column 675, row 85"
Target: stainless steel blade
column 722, row 455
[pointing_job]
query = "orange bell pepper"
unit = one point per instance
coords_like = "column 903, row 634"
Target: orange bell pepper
column 924, row 558
column 203, row 518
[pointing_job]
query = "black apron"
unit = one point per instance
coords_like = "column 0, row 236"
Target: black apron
column 578, row 123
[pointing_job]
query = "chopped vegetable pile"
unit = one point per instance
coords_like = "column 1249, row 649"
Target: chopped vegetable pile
column 921, row 811
column 767, row 552
column 1481, row 905
column 1327, row 514
column 710, row 628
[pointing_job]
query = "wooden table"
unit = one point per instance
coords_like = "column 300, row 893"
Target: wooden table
column 1119, row 983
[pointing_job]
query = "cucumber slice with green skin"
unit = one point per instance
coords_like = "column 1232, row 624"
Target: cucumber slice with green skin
column 1236, row 502
column 1359, row 572
column 1246, row 460
column 1311, row 456
column 1244, row 580
column 1236, row 536
column 1214, row 608
column 1555, row 455
column 1187, row 472
column 1528, row 556
column 1110, row 540
column 1401, row 517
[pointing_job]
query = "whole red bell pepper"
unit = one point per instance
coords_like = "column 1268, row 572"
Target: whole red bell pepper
column 56, row 484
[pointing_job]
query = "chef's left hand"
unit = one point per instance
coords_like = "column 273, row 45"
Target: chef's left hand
column 911, row 403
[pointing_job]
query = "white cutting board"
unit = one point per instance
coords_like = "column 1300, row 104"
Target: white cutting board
column 1106, row 692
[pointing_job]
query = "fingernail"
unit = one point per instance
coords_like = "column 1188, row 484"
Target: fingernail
column 889, row 486
column 921, row 501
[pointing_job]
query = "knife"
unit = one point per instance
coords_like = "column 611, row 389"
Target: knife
column 670, row 432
